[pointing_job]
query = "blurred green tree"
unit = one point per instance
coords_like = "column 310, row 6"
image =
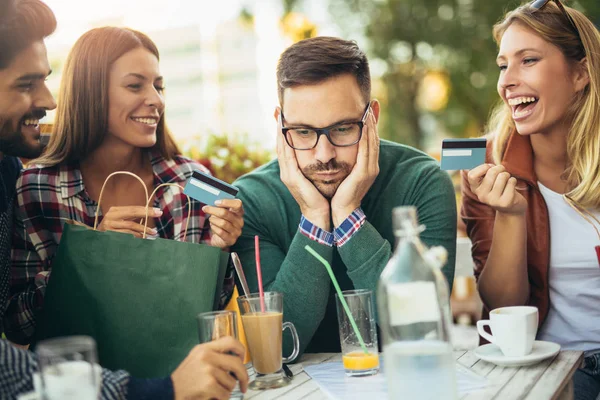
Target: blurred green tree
column 435, row 60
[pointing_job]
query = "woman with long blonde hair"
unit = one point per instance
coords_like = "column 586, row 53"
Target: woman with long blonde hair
column 533, row 210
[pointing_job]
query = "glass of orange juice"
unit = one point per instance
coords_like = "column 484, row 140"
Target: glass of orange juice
column 357, row 361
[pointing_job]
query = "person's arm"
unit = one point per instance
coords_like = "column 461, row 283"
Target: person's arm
column 286, row 266
column 10, row 168
column 495, row 216
column 17, row 367
column 32, row 245
column 299, row 276
column 145, row 389
column 204, row 373
column 366, row 252
column 116, row 385
column 506, row 266
column 208, row 372
column 16, row 370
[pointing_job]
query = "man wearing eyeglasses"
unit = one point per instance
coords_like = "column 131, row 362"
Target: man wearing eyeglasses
column 333, row 187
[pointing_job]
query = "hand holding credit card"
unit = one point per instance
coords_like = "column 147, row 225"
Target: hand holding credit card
column 462, row 153
column 207, row 189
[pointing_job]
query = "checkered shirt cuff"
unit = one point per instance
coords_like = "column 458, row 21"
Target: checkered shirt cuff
column 315, row 233
column 349, row 227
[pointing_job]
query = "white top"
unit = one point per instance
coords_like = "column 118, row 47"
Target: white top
column 574, row 277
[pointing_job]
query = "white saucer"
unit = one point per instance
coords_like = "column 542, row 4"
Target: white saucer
column 541, row 351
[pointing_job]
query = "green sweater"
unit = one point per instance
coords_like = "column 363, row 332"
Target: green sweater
column 407, row 177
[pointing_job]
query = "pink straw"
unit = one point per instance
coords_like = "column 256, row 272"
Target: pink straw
column 259, row 274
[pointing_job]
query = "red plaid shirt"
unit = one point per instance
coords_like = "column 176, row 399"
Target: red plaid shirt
column 48, row 197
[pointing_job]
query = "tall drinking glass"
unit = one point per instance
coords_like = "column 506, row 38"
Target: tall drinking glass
column 356, row 361
column 216, row 325
column 264, row 335
column 69, row 368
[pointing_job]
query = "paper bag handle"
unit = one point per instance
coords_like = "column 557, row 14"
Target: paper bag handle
column 148, row 200
column 102, row 191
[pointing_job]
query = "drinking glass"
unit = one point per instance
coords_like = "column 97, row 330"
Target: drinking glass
column 264, row 328
column 216, row 325
column 356, row 361
column 69, row 368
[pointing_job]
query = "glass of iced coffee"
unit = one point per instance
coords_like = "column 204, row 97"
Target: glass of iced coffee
column 263, row 324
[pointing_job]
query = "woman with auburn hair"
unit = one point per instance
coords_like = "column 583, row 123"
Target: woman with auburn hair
column 110, row 118
column 533, row 210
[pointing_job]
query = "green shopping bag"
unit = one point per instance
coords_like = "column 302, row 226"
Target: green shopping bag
column 137, row 297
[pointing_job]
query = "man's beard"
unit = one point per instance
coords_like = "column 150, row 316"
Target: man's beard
column 14, row 143
column 327, row 188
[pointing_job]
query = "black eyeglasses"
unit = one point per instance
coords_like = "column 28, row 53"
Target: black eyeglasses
column 539, row 4
column 343, row 134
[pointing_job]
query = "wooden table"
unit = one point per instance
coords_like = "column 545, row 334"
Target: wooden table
column 550, row 379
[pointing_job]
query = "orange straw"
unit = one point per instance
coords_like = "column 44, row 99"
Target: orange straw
column 259, row 274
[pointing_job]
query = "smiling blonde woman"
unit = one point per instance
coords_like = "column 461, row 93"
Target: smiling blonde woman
column 533, row 210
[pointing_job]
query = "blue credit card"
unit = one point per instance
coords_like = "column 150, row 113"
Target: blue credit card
column 462, row 153
column 208, row 189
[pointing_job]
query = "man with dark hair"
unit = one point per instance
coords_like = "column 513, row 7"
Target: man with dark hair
column 24, row 100
column 333, row 188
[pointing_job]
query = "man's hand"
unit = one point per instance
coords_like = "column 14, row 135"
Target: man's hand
column 497, row 188
column 205, row 373
column 226, row 222
column 123, row 219
column 353, row 189
column 312, row 204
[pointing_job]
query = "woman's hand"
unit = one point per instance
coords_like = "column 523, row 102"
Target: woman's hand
column 123, row 219
column 226, row 220
column 497, row 188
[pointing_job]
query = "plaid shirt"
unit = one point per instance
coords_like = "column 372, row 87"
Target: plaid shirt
column 340, row 235
column 16, row 375
column 47, row 197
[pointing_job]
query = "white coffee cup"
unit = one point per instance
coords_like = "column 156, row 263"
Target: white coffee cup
column 513, row 329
